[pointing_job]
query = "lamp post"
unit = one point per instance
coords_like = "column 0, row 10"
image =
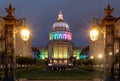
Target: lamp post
column 94, row 34
column 25, row 33
column 108, row 26
column 11, row 24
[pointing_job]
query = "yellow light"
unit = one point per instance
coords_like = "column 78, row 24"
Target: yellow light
column 92, row 57
column 94, row 34
column 25, row 34
column 100, row 56
column 110, row 53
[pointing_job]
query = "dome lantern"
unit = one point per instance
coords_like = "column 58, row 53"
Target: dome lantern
column 60, row 25
column 60, row 16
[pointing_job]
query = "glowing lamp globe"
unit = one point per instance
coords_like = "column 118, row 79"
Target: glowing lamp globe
column 100, row 56
column 25, row 34
column 92, row 57
column 94, row 34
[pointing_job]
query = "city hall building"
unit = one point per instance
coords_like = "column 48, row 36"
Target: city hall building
column 60, row 50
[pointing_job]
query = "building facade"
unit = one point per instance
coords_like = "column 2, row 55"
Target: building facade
column 2, row 44
column 60, row 45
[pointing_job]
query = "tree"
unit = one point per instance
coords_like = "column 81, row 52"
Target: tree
column 73, row 60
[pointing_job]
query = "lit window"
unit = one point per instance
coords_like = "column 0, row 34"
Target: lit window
column 60, row 36
column 56, row 36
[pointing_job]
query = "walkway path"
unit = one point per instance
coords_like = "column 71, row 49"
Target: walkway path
column 59, row 80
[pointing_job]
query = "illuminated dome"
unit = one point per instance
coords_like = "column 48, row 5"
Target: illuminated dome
column 60, row 25
column 60, row 30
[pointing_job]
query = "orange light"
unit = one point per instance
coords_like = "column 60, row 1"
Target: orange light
column 25, row 34
column 100, row 56
column 94, row 34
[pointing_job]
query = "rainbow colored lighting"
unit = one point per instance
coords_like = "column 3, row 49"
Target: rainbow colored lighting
column 58, row 35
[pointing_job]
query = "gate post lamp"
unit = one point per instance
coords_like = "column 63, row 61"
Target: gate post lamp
column 11, row 24
column 94, row 33
column 25, row 33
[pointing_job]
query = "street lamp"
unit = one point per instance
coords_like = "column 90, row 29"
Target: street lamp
column 11, row 24
column 94, row 33
column 94, row 37
column 100, row 56
column 107, row 40
column 25, row 33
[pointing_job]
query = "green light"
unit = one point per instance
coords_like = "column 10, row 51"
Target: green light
column 43, row 54
column 83, row 56
column 76, row 53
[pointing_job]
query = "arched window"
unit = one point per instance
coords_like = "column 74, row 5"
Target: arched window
column 70, row 36
column 60, row 36
column 52, row 36
column 56, row 36
column 64, row 36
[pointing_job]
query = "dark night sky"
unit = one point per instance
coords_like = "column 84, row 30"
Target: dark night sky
column 41, row 14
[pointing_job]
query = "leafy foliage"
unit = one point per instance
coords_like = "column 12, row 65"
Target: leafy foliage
column 27, row 61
